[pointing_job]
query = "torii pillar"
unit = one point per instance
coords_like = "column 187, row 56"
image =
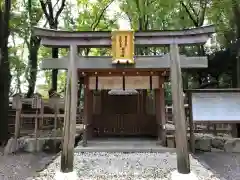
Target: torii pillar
column 67, row 156
column 183, row 163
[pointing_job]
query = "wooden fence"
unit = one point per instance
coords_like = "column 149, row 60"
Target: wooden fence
column 49, row 117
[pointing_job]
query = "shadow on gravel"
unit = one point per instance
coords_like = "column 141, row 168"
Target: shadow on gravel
column 24, row 166
column 225, row 165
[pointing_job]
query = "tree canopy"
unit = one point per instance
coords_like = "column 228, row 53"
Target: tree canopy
column 20, row 62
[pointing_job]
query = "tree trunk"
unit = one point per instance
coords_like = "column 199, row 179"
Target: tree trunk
column 54, row 71
column 1, row 34
column 53, row 25
column 4, row 96
column 48, row 10
column 33, row 53
column 4, row 71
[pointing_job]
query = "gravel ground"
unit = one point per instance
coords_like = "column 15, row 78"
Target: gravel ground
column 226, row 165
column 122, row 166
column 21, row 166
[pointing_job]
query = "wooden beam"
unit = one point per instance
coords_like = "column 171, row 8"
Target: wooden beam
column 103, row 39
column 179, row 117
column 141, row 41
column 128, row 72
column 141, row 62
column 43, row 32
column 45, row 115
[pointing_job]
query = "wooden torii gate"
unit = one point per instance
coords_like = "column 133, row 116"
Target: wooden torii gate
column 174, row 62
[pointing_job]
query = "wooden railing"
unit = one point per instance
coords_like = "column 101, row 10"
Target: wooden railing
column 49, row 117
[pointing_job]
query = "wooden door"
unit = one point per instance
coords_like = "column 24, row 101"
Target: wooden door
column 123, row 115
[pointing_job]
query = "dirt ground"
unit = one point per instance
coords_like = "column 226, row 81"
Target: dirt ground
column 22, row 166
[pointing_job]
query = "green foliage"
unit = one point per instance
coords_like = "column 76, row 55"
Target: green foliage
column 93, row 15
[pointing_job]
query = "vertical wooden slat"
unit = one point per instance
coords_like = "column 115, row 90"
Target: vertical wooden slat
column 158, row 113
column 191, row 124
column 162, row 110
column 90, row 114
column 36, row 130
column 55, row 123
column 17, row 124
column 41, row 116
column 96, row 88
column 86, row 106
column 144, row 94
column 138, row 102
column 150, row 81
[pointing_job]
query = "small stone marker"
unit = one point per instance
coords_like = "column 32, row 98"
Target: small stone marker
column 17, row 103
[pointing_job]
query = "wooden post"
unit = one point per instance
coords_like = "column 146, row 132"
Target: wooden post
column 85, row 113
column 17, row 123
column 215, row 129
column 41, row 116
column 17, row 104
column 54, row 103
column 162, row 111
column 158, row 114
column 90, row 115
column 183, row 165
column 191, row 124
column 70, row 115
column 36, row 130
column 36, row 104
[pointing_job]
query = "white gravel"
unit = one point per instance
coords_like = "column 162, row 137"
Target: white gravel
column 22, row 166
column 122, row 166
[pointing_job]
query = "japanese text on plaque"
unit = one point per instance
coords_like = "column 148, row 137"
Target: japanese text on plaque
column 123, row 46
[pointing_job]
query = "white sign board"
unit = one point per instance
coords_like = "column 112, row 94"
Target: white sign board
column 216, row 106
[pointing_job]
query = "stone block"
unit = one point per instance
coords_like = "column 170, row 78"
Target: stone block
column 66, row 176
column 171, row 142
column 232, row 145
column 34, row 146
column 218, row 143
column 203, row 143
column 178, row 176
column 14, row 146
column 52, row 145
